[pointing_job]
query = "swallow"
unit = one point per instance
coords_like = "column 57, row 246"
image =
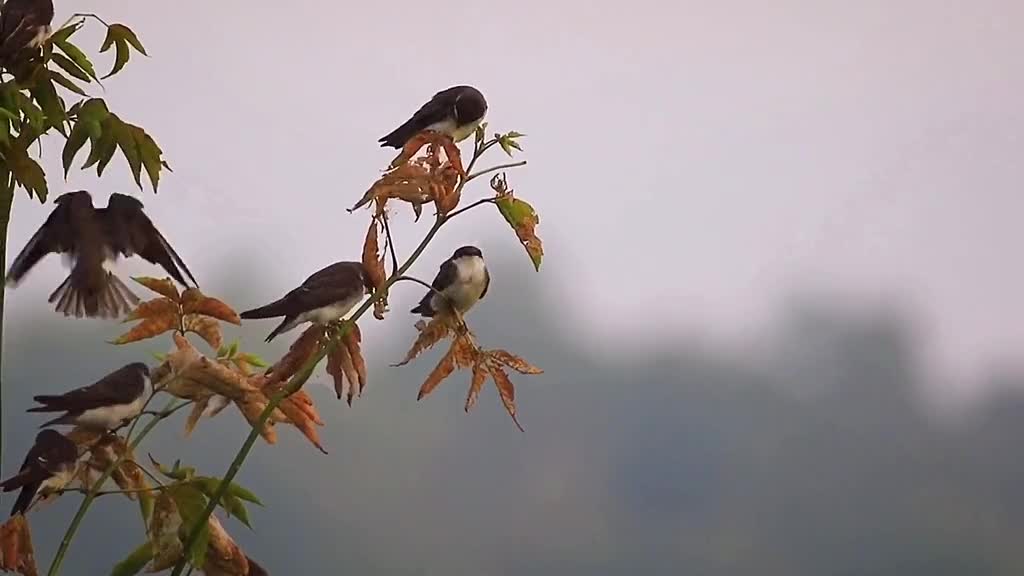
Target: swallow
column 456, row 112
column 91, row 237
column 322, row 298
column 105, row 404
column 24, row 25
column 462, row 281
column 48, row 467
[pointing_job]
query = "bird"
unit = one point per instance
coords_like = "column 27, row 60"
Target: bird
column 105, row 404
column 24, row 25
column 456, row 112
column 322, row 298
column 92, row 236
column 48, row 467
column 460, row 283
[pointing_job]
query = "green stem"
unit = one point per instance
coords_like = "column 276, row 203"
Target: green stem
column 69, row 534
column 6, row 202
column 495, row 169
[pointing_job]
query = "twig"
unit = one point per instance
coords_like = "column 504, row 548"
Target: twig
column 495, row 169
column 391, row 244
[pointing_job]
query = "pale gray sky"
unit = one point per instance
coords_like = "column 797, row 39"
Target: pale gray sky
column 718, row 154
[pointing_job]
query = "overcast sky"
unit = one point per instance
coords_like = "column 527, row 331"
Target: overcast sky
column 693, row 163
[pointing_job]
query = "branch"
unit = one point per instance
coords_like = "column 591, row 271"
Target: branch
column 391, row 244
column 491, row 200
column 496, row 168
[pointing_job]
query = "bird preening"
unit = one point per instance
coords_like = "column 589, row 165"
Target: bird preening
column 91, row 237
column 24, row 26
column 456, row 112
column 460, row 283
column 324, row 297
column 48, row 467
column 103, row 405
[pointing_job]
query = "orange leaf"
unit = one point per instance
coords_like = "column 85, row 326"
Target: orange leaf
column 466, row 353
column 352, row 342
column 190, row 297
column 213, row 308
column 149, row 328
column 506, row 390
column 152, row 309
column 430, row 333
column 162, row 286
column 479, row 378
column 16, row 547
column 342, row 369
column 206, row 327
column 443, row 369
column 299, row 418
column 371, row 257
column 193, row 417
column 514, row 362
column 304, row 347
column 251, row 407
column 223, row 556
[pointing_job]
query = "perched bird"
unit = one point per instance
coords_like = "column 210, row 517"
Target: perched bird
column 24, row 25
column 456, row 112
column 324, row 297
column 461, row 282
column 105, row 404
column 91, row 237
column 48, row 467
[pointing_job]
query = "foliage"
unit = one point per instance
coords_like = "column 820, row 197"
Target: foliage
column 176, row 503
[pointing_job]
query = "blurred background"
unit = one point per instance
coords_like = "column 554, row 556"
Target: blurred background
column 778, row 311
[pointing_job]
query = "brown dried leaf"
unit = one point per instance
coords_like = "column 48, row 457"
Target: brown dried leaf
column 443, row 369
column 466, row 353
column 299, row 417
column 212, row 307
column 506, row 390
column 304, row 347
column 223, row 556
column 477, row 384
column 162, row 286
column 251, row 409
column 352, row 341
column 371, row 257
column 163, row 533
column 342, row 369
column 430, row 333
column 198, row 408
column 206, row 327
column 16, row 553
column 153, row 308
column 514, row 362
column 149, row 328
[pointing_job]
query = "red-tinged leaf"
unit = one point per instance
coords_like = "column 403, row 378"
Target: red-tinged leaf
column 465, row 351
column 207, row 328
column 213, row 308
column 16, row 547
column 304, row 347
column 153, row 308
column 343, row 371
column 430, row 333
column 371, row 257
column 251, row 408
column 162, row 286
column 523, row 219
column 476, row 385
column 149, row 328
column 298, row 417
column 506, row 390
column 352, row 342
column 514, row 362
column 443, row 369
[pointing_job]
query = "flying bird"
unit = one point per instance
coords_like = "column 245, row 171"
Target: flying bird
column 105, row 404
column 462, row 280
column 324, row 297
column 91, row 237
column 456, row 112
column 48, row 467
column 24, row 25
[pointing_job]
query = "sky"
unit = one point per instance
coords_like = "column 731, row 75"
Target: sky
column 694, row 164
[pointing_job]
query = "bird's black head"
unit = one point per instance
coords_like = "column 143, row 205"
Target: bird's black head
column 467, row 251
column 139, row 367
column 470, row 105
column 49, row 436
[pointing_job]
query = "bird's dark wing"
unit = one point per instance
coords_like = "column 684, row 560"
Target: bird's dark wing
column 119, row 387
column 20, row 21
column 446, row 276
column 130, row 232
column 487, row 283
column 56, row 235
column 339, row 281
column 31, row 471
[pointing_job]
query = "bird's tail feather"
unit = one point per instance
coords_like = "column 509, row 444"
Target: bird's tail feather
column 63, row 419
column 287, row 324
column 113, row 299
column 401, row 135
column 24, row 501
column 271, row 310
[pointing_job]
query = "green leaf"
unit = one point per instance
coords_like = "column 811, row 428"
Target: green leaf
column 67, row 83
column 146, row 501
column 505, row 145
column 5, row 130
column 125, row 137
column 233, row 349
column 513, row 135
column 254, row 360
column 27, row 172
column 191, row 503
column 160, row 356
column 234, row 507
column 150, row 154
column 239, row 492
column 92, row 110
column 523, row 219
column 77, row 56
column 70, row 67
column 176, row 472
column 121, row 55
column 33, row 114
column 125, row 32
column 78, row 137
column 135, row 561
column 52, row 105
column 64, row 33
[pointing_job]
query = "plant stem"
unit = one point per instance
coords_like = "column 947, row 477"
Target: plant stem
column 495, row 169
column 6, row 202
column 93, row 492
